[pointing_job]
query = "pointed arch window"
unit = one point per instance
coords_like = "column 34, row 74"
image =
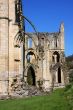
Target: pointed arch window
column 56, row 57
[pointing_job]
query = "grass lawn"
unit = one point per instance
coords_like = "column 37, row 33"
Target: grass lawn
column 55, row 101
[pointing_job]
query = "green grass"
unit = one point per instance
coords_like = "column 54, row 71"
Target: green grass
column 54, row 101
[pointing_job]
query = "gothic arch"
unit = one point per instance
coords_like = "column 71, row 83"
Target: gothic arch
column 56, row 57
column 30, row 56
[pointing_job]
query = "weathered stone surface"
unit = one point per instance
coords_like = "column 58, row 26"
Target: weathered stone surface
column 26, row 91
column 43, row 57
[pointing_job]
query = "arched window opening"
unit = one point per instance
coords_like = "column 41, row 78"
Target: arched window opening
column 59, row 75
column 56, row 57
column 30, row 57
column 31, row 80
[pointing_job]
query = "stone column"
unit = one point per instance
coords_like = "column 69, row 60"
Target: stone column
column 62, row 77
column 4, row 46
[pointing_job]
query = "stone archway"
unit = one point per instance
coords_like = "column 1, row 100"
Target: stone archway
column 31, row 80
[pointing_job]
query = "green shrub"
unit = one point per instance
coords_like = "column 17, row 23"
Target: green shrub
column 71, row 76
column 68, row 87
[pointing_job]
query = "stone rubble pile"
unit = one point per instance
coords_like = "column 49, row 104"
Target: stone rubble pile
column 21, row 89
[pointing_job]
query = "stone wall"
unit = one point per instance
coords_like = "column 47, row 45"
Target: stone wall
column 44, row 53
column 48, row 47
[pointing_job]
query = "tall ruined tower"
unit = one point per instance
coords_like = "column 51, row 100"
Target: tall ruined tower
column 10, row 50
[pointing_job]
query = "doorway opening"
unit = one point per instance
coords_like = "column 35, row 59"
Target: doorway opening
column 59, row 75
column 31, row 77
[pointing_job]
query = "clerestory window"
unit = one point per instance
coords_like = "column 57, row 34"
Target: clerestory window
column 16, row 12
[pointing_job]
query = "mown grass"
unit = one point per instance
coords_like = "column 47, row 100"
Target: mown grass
column 54, row 101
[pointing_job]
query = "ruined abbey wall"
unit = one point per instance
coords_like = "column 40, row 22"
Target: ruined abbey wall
column 43, row 53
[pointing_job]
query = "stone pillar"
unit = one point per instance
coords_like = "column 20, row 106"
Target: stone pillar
column 4, row 49
column 62, row 77
column 62, row 35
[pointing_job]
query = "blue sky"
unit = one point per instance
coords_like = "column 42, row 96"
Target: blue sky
column 47, row 15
